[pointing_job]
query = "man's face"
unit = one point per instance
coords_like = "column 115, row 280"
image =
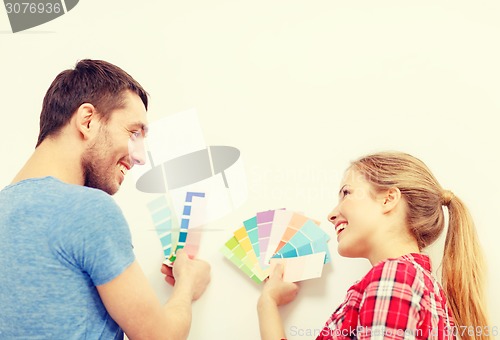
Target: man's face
column 117, row 147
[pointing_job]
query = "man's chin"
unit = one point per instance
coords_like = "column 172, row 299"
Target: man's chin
column 110, row 190
column 113, row 190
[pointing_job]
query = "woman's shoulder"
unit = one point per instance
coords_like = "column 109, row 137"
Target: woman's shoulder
column 407, row 269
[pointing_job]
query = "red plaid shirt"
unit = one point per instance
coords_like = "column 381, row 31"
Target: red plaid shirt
column 398, row 299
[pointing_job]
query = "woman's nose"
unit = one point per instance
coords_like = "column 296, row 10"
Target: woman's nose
column 332, row 216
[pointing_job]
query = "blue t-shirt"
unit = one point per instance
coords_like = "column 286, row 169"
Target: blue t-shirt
column 58, row 242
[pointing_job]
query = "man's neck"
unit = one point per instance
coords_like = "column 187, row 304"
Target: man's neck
column 53, row 158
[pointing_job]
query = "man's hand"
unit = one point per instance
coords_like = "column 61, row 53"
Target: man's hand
column 192, row 274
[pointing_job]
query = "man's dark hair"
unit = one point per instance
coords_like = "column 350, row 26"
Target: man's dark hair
column 97, row 82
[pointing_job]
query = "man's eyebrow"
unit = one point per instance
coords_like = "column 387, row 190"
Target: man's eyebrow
column 141, row 126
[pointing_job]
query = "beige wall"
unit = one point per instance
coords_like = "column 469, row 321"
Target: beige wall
column 301, row 88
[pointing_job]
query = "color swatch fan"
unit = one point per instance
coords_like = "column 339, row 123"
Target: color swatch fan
column 279, row 236
column 172, row 236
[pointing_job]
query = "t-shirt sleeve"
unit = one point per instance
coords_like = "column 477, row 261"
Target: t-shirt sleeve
column 93, row 237
column 391, row 302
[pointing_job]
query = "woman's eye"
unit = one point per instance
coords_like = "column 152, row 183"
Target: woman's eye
column 345, row 192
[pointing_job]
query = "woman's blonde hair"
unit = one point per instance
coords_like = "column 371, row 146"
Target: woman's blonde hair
column 463, row 265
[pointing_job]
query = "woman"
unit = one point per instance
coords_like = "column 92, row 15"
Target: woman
column 390, row 208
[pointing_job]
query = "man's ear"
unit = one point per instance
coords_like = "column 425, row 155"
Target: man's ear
column 391, row 199
column 86, row 120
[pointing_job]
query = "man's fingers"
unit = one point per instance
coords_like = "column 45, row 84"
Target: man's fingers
column 166, row 270
column 170, row 280
column 169, row 274
column 182, row 252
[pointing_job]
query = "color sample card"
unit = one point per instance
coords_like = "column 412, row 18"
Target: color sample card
column 279, row 235
column 301, row 268
column 162, row 220
column 253, row 233
column 309, row 239
column 233, row 251
column 251, row 260
column 185, row 218
column 264, row 225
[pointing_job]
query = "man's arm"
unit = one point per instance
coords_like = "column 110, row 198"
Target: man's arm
column 132, row 303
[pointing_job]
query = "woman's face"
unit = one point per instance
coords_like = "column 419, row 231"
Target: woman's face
column 357, row 216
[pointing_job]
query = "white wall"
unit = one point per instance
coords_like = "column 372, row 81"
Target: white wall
column 301, row 88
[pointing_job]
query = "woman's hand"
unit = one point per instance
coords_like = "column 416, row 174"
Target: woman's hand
column 276, row 290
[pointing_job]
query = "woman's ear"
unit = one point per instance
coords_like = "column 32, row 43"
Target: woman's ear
column 86, row 120
column 391, row 199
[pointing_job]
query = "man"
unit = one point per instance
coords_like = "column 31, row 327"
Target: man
column 68, row 267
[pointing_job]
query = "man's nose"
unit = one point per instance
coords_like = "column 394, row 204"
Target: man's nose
column 137, row 151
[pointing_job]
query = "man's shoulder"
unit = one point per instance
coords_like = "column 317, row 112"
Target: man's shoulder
column 47, row 192
column 54, row 186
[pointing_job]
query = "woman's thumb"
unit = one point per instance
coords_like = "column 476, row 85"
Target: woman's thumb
column 278, row 270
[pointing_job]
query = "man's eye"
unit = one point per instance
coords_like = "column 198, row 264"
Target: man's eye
column 136, row 134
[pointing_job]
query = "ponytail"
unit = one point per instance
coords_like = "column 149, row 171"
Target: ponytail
column 463, row 272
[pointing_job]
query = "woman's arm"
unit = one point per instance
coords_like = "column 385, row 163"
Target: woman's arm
column 275, row 293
